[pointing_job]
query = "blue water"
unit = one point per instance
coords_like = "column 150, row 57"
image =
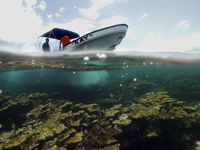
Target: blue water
column 180, row 81
column 107, row 82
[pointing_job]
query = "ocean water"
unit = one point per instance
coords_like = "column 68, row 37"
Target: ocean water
column 126, row 79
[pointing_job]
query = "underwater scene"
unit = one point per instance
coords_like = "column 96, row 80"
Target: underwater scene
column 126, row 103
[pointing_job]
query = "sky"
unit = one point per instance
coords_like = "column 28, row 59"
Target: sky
column 153, row 25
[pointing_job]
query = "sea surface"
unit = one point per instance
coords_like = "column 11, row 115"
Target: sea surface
column 156, row 95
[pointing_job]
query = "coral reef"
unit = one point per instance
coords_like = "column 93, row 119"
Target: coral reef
column 58, row 64
column 60, row 124
column 160, row 106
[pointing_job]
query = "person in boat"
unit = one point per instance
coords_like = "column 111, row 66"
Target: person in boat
column 64, row 40
column 45, row 46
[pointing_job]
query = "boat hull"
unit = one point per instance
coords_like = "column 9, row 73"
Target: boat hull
column 103, row 39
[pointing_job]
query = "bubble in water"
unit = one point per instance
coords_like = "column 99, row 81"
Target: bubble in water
column 101, row 55
column 86, row 58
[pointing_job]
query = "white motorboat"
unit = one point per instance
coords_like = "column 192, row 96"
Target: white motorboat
column 103, row 39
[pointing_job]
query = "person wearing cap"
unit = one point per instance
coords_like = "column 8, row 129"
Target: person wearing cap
column 64, row 40
column 45, row 46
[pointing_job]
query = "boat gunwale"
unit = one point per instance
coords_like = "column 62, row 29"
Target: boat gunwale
column 106, row 28
column 72, row 42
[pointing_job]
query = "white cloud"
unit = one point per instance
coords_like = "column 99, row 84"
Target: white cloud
column 57, row 14
column 28, row 47
column 61, row 9
column 183, row 24
column 42, row 5
column 19, row 23
column 157, row 42
column 89, row 13
column 142, row 17
column 131, row 33
column 112, row 21
column 30, row 5
column 49, row 16
column 80, row 26
column 97, row 4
